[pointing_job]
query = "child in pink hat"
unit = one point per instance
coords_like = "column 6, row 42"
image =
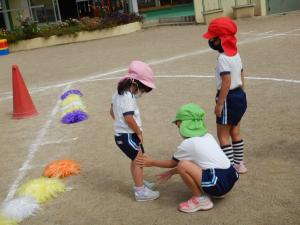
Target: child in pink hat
column 128, row 124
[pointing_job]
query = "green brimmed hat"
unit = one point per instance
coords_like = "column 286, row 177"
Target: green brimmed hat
column 192, row 120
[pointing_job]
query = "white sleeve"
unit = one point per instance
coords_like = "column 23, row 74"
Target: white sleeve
column 223, row 65
column 183, row 152
column 127, row 104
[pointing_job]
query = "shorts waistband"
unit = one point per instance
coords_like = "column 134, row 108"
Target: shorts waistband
column 236, row 89
column 232, row 90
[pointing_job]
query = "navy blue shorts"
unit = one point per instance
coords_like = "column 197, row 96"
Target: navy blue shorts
column 129, row 144
column 218, row 182
column 235, row 106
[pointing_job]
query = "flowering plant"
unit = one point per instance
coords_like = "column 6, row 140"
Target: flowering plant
column 30, row 29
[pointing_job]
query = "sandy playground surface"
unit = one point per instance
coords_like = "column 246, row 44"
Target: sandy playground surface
column 184, row 69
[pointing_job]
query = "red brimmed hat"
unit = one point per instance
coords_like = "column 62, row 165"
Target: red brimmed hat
column 225, row 29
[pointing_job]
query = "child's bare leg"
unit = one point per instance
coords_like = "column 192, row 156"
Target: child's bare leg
column 191, row 174
column 224, row 139
column 235, row 133
column 141, row 192
column 223, row 132
column 137, row 172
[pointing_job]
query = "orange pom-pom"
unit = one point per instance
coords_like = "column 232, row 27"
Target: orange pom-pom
column 62, row 168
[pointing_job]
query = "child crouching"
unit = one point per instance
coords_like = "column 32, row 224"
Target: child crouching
column 199, row 161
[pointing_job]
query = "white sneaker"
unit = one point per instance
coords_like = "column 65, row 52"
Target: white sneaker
column 149, row 185
column 146, row 195
column 241, row 168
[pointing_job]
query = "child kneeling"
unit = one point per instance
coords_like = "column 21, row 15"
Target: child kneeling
column 199, row 161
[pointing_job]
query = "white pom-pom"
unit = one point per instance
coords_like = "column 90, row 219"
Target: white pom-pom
column 20, row 208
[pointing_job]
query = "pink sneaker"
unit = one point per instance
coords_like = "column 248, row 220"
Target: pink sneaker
column 241, row 168
column 195, row 203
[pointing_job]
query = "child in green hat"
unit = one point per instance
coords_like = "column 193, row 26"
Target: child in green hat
column 199, row 161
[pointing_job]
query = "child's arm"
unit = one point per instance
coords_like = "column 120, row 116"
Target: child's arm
column 242, row 76
column 111, row 112
column 147, row 161
column 165, row 176
column 132, row 124
column 225, row 86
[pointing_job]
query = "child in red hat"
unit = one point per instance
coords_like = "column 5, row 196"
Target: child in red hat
column 231, row 102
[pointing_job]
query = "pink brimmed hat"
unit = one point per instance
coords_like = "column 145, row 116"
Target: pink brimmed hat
column 141, row 71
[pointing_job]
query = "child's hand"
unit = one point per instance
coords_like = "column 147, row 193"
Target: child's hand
column 164, row 177
column 144, row 161
column 140, row 136
column 218, row 110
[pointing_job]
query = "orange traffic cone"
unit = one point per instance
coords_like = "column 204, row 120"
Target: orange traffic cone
column 23, row 105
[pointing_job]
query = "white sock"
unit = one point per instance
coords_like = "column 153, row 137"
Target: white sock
column 201, row 197
column 238, row 151
column 139, row 189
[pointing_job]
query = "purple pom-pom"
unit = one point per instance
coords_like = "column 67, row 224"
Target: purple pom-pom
column 74, row 117
column 67, row 93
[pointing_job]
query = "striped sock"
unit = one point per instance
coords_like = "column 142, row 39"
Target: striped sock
column 227, row 149
column 238, row 151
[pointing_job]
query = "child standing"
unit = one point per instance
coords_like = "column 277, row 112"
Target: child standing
column 128, row 124
column 202, row 165
column 231, row 102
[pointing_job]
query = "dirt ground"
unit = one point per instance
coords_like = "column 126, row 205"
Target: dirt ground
column 184, row 67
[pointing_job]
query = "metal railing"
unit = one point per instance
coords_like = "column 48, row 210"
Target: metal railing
column 43, row 15
column 38, row 13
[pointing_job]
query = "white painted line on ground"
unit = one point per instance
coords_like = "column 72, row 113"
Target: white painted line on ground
column 248, row 78
column 264, row 33
column 8, row 95
column 246, row 33
column 58, row 142
column 273, row 79
column 205, row 76
column 250, row 40
column 293, row 35
column 33, row 148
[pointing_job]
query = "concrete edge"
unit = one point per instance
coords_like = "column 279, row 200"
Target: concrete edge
column 79, row 37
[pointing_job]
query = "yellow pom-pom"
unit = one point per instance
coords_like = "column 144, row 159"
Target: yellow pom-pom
column 71, row 99
column 42, row 189
column 62, row 168
column 6, row 221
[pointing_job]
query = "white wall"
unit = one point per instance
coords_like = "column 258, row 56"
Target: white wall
column 260, row 7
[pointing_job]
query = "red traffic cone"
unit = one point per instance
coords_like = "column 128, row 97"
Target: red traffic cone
column 23, row 105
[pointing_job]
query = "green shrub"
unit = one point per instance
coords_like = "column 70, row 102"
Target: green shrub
column 29, row 28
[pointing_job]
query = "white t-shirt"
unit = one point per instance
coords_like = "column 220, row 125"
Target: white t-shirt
column 123, row 105
column 204, row 151
column 233, row 66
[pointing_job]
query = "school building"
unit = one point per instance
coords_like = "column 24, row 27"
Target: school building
column 202, row 11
